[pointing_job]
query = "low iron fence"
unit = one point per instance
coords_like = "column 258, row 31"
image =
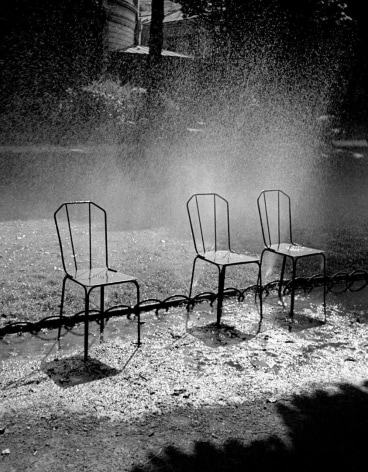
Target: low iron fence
column 338, row 283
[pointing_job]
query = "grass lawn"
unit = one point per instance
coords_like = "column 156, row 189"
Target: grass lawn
column 31, row 269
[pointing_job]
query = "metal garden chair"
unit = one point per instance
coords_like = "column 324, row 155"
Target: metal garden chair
column 84, row 255
column 210, row 226
column 274, row 209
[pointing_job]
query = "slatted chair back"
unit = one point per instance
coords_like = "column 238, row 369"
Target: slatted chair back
column 209, row 222
column 275, row 216
column 82, row 231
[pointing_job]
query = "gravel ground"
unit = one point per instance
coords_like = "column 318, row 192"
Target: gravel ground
column 193, row 397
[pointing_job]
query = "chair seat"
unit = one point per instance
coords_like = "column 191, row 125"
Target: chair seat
column 227, row 257
column 294, row 250
column 100, row 276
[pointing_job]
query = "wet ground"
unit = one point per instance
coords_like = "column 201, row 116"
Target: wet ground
column 199, row 322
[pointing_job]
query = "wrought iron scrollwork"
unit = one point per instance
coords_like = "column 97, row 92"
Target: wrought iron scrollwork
column 340, row 282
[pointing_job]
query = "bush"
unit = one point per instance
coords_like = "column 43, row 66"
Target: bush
column 112, row 101
column 100, row 111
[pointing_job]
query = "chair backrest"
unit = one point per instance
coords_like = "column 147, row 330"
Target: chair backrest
column 82, row 232
column 209, row 222
column 275, row 216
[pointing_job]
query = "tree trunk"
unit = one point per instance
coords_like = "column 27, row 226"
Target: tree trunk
column 156, row 30
column 155, row 58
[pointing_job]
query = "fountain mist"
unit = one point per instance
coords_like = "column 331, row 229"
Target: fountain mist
column 260, row 132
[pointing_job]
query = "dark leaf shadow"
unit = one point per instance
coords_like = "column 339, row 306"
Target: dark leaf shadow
column 324, row 431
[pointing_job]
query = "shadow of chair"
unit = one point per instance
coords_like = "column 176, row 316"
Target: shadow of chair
column 210, row 226
column 82, row 233
column 71, row 371
column 274, row 209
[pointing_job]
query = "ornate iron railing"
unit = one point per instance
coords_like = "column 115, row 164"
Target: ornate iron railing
column 338, row 283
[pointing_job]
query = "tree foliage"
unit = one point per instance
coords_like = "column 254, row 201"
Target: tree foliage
column 50, row 44
column 239, row 20
column 323, row 42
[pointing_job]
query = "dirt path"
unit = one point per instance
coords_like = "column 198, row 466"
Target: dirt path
column 87, row 443
column 301, row 432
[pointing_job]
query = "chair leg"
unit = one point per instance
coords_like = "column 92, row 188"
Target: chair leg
column 259, row 289
column 86, row 322
column 293, row 289
column 102, row 309
column 282, row 275
column 61, row 306
column 324, row 287
column 220, row 293
column 138, row 314
column 260, row 265
column 192, row 278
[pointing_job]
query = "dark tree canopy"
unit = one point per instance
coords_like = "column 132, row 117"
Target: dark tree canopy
column 242, row 20
column 50, row 44
column 325, row 38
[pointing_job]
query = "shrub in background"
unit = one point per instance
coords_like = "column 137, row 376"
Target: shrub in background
column 102, row 111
